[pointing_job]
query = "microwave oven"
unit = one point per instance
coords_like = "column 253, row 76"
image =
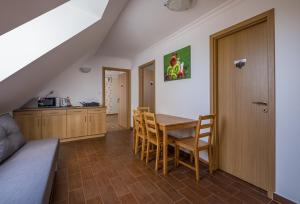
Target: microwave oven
column 50, row 102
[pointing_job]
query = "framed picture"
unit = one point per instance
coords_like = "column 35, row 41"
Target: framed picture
column 177, row 65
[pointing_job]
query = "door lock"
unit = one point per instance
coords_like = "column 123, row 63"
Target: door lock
column 240, row 63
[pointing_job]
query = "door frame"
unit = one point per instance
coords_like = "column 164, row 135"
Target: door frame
column 267, row 17
column 128, row 73
column 141, row 83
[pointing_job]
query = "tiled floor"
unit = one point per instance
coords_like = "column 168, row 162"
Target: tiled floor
column 105, row 171
column 112, row 123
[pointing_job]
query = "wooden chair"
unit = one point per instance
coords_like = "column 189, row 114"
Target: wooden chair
column 154, row 138
column 144, row 109
column 134, row 132
column 205, row 129
column 140, row 133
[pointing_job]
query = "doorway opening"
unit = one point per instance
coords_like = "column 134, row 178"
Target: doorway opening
column 147, row 85
column 243, row 98
column 116, row 97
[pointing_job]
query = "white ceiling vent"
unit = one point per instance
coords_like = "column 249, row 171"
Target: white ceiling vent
column 179, row 5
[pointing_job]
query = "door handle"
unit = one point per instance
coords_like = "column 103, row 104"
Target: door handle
column 260, row 103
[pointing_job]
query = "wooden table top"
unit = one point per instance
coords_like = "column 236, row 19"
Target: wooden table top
column 167, row 120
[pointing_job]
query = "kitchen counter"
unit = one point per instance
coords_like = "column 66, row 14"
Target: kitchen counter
column 58, row 108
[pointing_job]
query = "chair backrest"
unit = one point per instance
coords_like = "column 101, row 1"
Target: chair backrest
column 139, row 123
column 151, row 125
column 144, row 109
column 205, row 129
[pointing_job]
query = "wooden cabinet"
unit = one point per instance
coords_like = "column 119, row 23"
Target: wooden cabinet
column 63, row 123
column 30, row 124
column 54, row 124
column 96, row 121
column 76, row 123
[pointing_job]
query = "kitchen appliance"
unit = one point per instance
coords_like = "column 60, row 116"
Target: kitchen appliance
column 64, row 102
column 90, row 104
column 50, row 102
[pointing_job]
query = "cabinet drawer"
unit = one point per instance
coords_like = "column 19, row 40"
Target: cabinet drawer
column 28, row 113
column 54, row 112
column 97, row 110
column 76, row 111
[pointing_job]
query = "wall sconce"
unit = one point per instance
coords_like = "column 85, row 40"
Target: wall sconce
column 85, row 69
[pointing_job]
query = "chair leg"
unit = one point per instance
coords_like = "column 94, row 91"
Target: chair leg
column 176, row 155
column 136, row 145
column 147, row 152
column 210, row 160
column 196, row 155
column 133, row 141
column 191, row 157
column 157, row 156
column 143, row 149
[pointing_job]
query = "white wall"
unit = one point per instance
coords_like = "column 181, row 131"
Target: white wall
column 190, row 97
column 83, row 87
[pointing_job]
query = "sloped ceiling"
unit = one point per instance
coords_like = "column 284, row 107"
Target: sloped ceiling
column 14, row 13
column 24, row 84
column 145, row 22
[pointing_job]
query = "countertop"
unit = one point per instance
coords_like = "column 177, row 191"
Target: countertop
column 58, row 108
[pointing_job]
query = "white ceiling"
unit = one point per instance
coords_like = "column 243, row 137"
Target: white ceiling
column 26, row 83
column 45, row 32
column 145, row 22
column 14, row 13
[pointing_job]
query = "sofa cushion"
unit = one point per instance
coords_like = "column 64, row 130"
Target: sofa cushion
column 26, row 177
column 11, row 139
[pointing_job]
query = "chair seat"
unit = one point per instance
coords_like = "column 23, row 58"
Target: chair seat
column 189, row 143
column 171, row 140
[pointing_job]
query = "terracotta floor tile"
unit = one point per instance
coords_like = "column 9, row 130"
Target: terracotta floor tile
column 128, row 199
column 139, row 193
column 75, row 182
column 119, row 186
column 90, row 189
column 104, row 170
column 76, row 197
column 191, row 195
column 95, row 200
column 169, row 190
column 108, row 195
column 160, row 197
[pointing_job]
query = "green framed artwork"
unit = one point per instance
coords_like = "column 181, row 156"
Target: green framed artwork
column 177, row 65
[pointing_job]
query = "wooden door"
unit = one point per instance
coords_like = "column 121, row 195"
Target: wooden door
column 123, row 106
column 54, row 124
column 76, row 123
column 149, row 87
column 244, row 114
column 96, row 121
column 30, row 124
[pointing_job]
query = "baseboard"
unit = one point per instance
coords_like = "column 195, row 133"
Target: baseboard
column 81, row 138
column 282, row 199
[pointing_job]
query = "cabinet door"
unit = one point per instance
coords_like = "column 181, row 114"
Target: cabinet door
column 54, row 124
column 96, row 122
column 30, row 124
column 76, row 123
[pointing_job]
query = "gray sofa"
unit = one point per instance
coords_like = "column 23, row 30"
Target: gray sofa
column 27, row 175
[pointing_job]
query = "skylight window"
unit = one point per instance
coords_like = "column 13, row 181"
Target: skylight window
column 28, row 42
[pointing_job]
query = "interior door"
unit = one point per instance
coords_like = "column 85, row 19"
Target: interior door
column 123, row 106
column 149, row 87
column 246, row 145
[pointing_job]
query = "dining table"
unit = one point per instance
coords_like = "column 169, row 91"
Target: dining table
column 167, row 123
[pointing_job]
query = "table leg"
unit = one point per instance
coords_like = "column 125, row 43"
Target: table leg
column 165, row 151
